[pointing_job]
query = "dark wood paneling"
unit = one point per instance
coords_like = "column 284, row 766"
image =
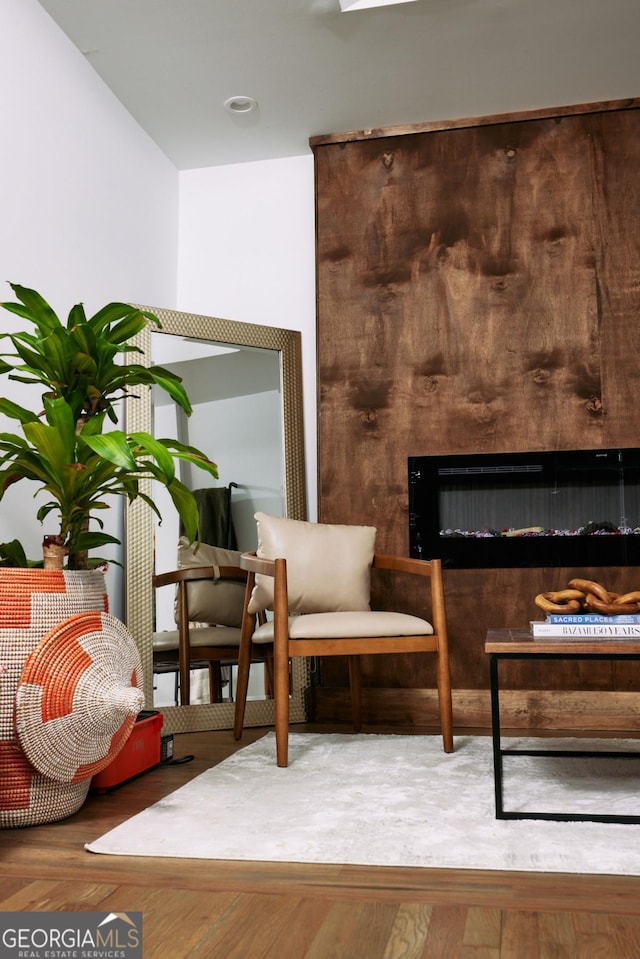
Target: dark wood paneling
column 478, row 291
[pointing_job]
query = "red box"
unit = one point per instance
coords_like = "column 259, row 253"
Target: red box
column 140, row 753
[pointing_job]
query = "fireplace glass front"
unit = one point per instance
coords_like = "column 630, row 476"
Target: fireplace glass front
column 565, row 508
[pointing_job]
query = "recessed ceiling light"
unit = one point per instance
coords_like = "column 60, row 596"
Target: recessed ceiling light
column 346, row 5
column 240, row 104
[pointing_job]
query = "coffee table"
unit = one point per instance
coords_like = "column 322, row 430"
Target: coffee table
column 504, row 644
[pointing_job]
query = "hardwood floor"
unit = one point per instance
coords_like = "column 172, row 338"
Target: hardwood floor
column 231, row 910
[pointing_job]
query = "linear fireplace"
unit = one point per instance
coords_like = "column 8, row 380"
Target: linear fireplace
column 565, row 508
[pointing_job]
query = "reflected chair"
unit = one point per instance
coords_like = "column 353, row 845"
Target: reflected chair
column 209, row 600
column 315, row 578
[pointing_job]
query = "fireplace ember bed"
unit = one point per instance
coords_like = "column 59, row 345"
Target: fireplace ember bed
column 562, row 508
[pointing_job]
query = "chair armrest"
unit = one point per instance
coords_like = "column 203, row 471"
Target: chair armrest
column 430, row 568
column 277, row 569
column 199, row 572
column 257, row 564
column 406, row 564
column 180, row 575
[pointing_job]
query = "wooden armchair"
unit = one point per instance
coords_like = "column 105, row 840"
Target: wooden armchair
column 315, row 579
column 210, row 592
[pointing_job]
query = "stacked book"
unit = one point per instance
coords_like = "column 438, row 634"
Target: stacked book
column 592, row 626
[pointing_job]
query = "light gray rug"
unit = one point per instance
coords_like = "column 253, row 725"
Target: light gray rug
column 394, row 801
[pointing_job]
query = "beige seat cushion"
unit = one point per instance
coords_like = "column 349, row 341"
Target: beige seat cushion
column 328, row 566
column 212, row 600
column 198, row 636
column 348, row 626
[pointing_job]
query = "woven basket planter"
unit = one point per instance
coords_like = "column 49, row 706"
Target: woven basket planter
column 69, row 694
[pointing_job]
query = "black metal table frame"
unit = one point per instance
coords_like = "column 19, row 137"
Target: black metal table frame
column 499, row 753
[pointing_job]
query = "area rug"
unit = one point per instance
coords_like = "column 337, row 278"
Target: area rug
column 394, row 801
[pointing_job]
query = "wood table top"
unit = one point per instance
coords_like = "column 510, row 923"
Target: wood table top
column 521, row 641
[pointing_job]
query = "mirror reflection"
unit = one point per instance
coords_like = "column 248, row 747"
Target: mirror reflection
column 245, row 385
column 237, row 420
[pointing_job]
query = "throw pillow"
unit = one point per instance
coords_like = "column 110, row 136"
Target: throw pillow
column 215, row 601
column 328, row 566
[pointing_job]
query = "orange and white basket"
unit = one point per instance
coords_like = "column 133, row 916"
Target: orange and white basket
column 69, row 696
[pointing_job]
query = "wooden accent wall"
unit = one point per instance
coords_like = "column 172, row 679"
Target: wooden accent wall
column 478, row 291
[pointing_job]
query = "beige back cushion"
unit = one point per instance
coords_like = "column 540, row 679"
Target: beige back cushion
column 328, row 566
column 214, row 601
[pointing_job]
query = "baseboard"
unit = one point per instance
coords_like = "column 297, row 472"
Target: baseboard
column 530, row 708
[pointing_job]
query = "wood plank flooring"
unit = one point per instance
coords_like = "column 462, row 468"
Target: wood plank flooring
column 230, row 910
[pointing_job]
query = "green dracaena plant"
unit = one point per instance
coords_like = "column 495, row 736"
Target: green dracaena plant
column 84, row 368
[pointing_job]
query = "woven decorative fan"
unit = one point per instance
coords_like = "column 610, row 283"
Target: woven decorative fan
column 78, row 697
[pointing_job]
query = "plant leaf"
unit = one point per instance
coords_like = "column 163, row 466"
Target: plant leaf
column 113, row 447
column 16, row 412
column 185, row 503
column 13, row 554
column 35, row 307
column 148, row 445
column 92, row 539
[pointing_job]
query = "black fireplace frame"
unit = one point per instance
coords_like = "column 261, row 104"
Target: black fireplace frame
column 610, row 469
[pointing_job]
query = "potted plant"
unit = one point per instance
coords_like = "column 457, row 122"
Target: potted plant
column 65, row 445
column 72, row 448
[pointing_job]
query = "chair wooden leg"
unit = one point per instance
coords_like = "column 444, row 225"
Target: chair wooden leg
column 444, row 703
column 281, row 657
column 281, row 696
column 268, row 677
column 215, row 682
column 355, row 687
column 242, row 686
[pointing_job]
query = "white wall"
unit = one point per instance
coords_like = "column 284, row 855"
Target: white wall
column 88, row 203
column 92, row 211
column 247, row 252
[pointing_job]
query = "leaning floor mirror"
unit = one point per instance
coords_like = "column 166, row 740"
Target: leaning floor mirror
column 244, row 382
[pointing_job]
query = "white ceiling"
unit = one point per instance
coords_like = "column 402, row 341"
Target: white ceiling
column 315, row 70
